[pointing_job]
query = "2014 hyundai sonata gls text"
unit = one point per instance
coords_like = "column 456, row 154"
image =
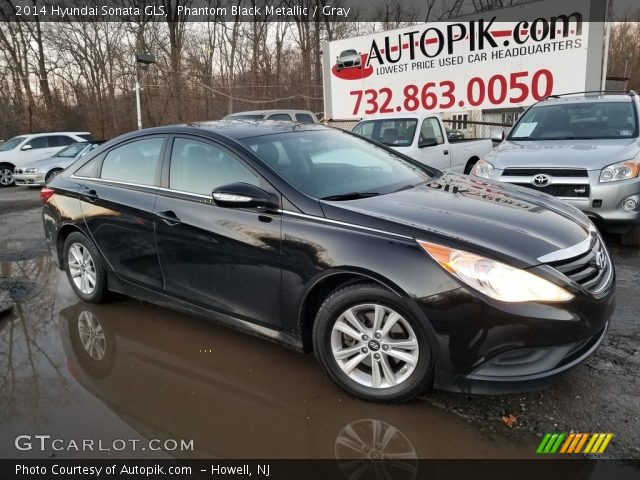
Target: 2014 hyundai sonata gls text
column 399, row 277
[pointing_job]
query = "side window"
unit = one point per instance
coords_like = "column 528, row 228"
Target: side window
column 91, row 169
column 39, row 142
column 304, row 118
column 61, row 141
column 430, row 130
column 134, row 162
column 280, row 116
column 364, row 129
column 199, row 167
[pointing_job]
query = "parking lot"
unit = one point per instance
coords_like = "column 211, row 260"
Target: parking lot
column 165, row 375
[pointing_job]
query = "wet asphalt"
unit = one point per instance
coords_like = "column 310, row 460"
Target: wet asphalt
column 158, row 374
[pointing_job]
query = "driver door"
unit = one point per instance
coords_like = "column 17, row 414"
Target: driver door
column 437, row 155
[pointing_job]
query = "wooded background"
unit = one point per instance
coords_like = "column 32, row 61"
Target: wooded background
column 80, row 75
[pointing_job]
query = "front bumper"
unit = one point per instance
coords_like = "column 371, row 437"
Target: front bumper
column 485, row 346
column 604, row 202
column 33, row 179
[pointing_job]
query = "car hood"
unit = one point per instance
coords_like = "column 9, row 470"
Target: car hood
column 503, row 221
column 349, row 57
column 45, row 162
column 590, row 154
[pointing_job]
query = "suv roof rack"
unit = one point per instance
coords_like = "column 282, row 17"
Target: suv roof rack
column 631, row 93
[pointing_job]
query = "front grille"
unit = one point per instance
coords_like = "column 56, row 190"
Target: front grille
column 584, row 270
column 561, row 190
column 553, row 172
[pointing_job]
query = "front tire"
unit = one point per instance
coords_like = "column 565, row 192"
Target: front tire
column 370, row 344
column 52, row 174
column 6, row 176
column 84, row 268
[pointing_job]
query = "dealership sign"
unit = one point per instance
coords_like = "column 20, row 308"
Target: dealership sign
column 499, row 59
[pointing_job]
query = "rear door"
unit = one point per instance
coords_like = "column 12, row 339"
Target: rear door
column 224, row 259
column 118, row 200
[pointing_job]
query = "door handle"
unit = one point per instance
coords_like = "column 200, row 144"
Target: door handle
column 90, row 196
column 445, row 152
column 169, row 217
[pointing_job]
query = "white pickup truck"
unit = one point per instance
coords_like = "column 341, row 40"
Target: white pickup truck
column 423, row 137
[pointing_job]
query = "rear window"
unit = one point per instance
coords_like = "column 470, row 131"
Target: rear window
column 392, row 132
column 304, row 118
column 244, row 117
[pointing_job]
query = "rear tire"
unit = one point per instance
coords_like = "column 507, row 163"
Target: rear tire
column 6, row 176
column 386, row 358
column 84, row 268
column 632, row 237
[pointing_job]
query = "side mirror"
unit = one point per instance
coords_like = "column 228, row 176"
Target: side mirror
column 244, row 195
column 498, row 137
column 26, row 147
column 427, row 142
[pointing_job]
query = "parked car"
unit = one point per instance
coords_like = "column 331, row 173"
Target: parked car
column 38, row 172
column 19, row 150
column 300, row 116
column 421, row 136
column 348, row 59
column 582, row 148
column 397, row 275
column 454, row 135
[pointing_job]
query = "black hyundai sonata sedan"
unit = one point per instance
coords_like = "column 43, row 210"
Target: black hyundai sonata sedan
column 398, row 276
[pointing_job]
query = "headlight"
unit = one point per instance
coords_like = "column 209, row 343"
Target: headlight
column 30, row 170
column 482, row 168
column 494, row 279
column 620, row 171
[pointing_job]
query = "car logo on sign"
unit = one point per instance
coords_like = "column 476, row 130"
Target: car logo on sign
column 541, row 180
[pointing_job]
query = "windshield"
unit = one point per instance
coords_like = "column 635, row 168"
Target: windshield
column 395, row 133
column 334, row 165
column 592, row 120
column 72, row 150
column 11, row 144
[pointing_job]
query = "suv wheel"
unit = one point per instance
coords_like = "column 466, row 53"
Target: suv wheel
column 6, row 176
column 369, row 344
column 632, row 237
column 84, row 268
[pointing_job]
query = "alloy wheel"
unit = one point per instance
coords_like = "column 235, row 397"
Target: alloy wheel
column 82, row 268
column 6, row 176
column 375, row 346
column 92, row 336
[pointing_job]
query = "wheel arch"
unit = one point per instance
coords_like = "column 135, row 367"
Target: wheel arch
column 63, row 233
column 470, row 163
column 322, row 287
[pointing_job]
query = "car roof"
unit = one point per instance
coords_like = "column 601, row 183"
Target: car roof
column 265, row 112
column 586, row 98
column 237, row 129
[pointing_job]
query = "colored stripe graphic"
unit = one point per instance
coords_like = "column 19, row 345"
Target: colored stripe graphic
column 572, row 443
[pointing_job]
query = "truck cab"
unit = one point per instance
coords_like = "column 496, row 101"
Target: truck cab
column 424, row 138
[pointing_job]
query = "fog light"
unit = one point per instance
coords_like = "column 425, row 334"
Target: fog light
column 629, row 204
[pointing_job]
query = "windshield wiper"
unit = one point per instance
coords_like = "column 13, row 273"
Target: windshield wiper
column 351, row 196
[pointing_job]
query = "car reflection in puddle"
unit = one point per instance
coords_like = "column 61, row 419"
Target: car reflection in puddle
column 173, row 377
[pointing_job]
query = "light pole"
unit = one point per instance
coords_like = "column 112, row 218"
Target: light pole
column 144, row 59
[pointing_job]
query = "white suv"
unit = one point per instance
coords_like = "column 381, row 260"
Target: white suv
column 35, row 146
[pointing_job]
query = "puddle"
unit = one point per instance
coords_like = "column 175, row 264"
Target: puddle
column 127, row 369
